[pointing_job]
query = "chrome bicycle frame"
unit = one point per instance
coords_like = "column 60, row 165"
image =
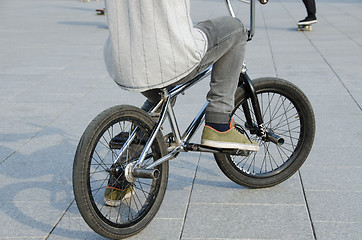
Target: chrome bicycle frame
column 181, row 142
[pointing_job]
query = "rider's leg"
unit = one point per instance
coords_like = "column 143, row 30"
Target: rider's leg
column 153, row 96
column 226, row 50
column 227, row 39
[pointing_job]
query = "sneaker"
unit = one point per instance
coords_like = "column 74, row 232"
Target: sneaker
column 118, row 188
column 230, row 139
column 308, row 21
column 114, row 196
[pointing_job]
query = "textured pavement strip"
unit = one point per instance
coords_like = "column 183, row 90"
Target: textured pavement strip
column 53, row 82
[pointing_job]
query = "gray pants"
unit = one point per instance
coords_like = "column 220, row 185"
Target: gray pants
column 227, row 39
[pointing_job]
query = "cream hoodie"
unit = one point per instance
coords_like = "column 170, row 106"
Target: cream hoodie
column 152, row 43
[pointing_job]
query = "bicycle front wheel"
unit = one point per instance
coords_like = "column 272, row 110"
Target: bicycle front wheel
column 97, row 179
column 287, row 113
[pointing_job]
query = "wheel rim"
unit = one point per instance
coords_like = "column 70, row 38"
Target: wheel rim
column 281, row 115
column 133, row 209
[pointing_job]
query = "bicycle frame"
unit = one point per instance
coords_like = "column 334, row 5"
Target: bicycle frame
column 181, row 142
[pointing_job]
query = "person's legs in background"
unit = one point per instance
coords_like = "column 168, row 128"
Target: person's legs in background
column 311, row 12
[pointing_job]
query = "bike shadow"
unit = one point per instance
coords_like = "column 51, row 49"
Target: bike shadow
column 200, row 169
column 85, row 24
column 36, row 187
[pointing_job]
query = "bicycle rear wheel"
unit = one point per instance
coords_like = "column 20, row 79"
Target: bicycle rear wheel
column 286, row 112
column 94, row 171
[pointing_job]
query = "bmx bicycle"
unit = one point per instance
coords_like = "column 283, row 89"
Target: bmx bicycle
column 126, row 143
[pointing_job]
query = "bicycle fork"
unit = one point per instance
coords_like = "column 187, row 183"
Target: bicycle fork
column 259, row 129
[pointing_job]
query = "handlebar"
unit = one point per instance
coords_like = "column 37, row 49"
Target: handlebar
column 252, row 15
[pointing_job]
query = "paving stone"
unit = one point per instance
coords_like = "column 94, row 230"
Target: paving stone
column 54, row 82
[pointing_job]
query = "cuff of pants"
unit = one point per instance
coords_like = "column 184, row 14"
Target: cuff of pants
column 217, row 117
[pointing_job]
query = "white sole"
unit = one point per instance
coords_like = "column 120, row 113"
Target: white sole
column 230, row 145
column 307, row 23
column 112, row 203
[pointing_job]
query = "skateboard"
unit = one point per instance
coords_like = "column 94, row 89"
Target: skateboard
column 305, row 27
column 101, row 12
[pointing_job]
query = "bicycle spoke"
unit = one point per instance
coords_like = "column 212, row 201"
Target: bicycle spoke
column 101, row 164
column 281, row 117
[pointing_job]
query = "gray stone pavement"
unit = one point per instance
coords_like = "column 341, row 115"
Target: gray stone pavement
column 53, row 83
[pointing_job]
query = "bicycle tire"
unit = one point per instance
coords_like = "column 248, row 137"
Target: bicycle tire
column 92, row 170
column 288, row 113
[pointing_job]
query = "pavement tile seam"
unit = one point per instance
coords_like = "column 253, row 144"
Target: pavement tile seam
column 165, row 218
column 23, row 237
column 335, row 191
column 246, row 204
column 307, row 35
column 231, row 238
column 94, row 87
column 36, row 134
column 320, row 221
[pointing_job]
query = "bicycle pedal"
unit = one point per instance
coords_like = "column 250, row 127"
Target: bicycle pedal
column 118, row 141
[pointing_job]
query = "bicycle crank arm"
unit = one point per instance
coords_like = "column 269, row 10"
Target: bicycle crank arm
column 201, row 148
